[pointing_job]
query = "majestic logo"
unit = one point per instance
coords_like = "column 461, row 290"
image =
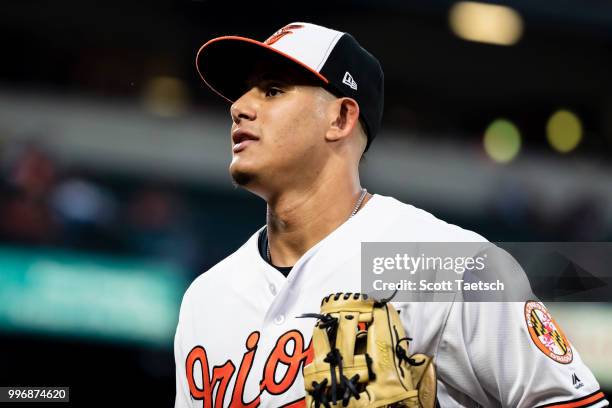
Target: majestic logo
column 282, row 32
column 348, row 80
column 546, row 333
column 576, row 381
column 221, row 375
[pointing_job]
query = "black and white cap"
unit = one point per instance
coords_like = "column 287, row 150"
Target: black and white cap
column 333, row 58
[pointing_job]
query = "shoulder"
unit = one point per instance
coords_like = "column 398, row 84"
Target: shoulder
column 425, row 226
column 226, row 270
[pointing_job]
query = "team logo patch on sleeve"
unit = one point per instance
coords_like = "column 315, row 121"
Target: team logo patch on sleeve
column 546, row 333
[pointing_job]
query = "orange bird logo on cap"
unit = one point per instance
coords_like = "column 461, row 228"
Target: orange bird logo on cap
column 281, row 33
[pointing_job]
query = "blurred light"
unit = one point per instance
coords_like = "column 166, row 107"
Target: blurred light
column 502, row 140
column 564, row 131
column 166, row 96
column 487, row 23
column 100, row 296
column 587, row 325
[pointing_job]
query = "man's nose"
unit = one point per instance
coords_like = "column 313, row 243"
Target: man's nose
column 244, row 108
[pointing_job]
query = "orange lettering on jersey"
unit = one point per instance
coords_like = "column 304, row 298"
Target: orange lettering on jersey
column 293, row 361
column 299, row 356
column 220, row 374
column 281, row 33
column 243, row 373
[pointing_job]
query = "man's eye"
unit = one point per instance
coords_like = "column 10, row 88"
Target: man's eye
column 273, row 91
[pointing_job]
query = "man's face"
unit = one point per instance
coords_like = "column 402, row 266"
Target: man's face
column 278, row 130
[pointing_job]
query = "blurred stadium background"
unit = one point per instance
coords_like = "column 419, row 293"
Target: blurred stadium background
column 113, row 158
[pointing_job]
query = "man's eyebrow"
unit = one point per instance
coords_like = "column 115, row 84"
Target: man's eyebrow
column 266, row 79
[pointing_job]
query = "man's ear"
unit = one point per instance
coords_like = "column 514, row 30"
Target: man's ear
column 345, row 117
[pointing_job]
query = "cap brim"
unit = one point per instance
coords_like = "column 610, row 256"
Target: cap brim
column 226, row 63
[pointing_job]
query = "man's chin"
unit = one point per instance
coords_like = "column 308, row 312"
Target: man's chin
column 242, row 178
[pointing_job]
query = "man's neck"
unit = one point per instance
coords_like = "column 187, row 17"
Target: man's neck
column 297, row 221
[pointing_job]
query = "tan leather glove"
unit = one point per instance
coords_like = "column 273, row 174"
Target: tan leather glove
column 361, row 358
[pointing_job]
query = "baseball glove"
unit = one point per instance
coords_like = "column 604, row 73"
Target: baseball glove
column 361, row 358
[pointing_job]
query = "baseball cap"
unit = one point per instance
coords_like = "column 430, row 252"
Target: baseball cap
column 333, row 59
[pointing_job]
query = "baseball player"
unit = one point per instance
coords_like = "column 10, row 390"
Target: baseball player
column 305, row 105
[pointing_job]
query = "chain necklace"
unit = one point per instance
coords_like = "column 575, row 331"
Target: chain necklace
column 355, row 209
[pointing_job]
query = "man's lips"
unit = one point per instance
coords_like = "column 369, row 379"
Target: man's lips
column 242, row 145
column 241, row 139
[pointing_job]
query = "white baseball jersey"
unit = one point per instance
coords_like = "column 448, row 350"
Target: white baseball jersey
column 239, row 344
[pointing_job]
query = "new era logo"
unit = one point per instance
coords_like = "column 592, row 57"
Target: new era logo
column 348, row 80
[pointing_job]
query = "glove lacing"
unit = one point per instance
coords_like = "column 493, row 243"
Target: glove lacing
column 334, row 359
column 401, row 353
